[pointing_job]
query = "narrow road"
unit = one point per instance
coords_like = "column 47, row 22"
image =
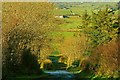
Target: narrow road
column 61, row 74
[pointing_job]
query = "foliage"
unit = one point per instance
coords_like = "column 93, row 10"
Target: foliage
column 101, row 29
column 108, row 59
column 25, row 26
column 100, row 26
column 31, row 33
column 29, row 62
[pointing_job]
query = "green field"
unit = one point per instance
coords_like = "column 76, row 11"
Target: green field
column 77, row 8
column 60, row 41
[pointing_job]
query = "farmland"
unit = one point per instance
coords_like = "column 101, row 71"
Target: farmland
column 63, row 40
column 74, row 22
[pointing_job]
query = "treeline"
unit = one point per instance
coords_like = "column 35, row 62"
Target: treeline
column 26, row 40
column 102, row 31
column 25, row 28
column 95, row 49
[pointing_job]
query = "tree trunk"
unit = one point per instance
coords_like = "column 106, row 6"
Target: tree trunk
column 42, row 65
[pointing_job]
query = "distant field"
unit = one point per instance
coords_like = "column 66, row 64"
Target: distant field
column 79, row 9
column 74, row 22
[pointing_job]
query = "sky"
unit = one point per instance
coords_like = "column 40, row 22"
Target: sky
column 60, row 0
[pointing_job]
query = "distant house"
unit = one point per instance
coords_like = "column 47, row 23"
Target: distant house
column 58, row 16
column 68, row 15
column 73, row 15
column 62, row 16
column 65, row 8
column 65, row 16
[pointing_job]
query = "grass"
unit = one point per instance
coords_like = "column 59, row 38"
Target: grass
column 79, row 9
column 70, row 23
column 74, row 22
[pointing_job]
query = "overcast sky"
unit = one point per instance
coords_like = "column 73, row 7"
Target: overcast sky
column 60, row 0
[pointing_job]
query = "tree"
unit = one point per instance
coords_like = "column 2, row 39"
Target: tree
column 101, row 30
column 99, row 27
column 26, row 26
